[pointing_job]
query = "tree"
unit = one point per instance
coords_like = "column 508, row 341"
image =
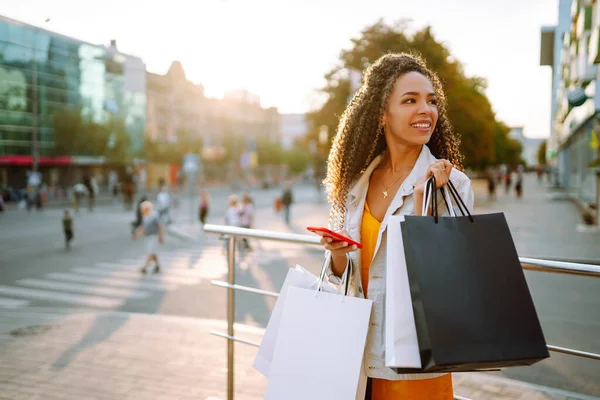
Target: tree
column 115, row 140
column 77, row 135
column 541, row 154
column 269, row 151
column 69, row 130
column 469, row 110
column 297, row 160
column 506, row 149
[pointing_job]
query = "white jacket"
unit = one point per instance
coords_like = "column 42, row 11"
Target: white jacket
column 402, row 204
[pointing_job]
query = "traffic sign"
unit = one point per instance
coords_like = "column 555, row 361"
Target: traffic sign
column 190, row 163
column 34, row 179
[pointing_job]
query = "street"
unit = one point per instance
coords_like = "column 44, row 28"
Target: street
column 101, row 271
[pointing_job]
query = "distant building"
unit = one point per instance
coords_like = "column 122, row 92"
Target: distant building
column 176, row 107
column 292, row 127
column 530, row 146
column 43, row 73
column 572, row 49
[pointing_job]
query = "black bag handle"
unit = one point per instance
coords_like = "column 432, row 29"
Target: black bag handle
column 459, row 201
column 431, row 185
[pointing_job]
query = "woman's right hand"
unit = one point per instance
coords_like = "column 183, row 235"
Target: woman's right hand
column 339, row 251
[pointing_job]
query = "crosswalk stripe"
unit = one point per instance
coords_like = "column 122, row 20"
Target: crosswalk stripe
column 38, row 294
column 175, row 268
column 84, row 288
column 136, row 275
column 12, row 303
column 158, row 286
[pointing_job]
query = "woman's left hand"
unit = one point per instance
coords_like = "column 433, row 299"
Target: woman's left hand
column 441, row 169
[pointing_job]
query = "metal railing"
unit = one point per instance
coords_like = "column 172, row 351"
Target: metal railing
column 233, row 233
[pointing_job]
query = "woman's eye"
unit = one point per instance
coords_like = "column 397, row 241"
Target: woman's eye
column 409, row 101
column 433, row 101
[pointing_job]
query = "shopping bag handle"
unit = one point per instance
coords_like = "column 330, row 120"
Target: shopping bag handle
column 459, row 201
column 431, row 194
column 346, row 276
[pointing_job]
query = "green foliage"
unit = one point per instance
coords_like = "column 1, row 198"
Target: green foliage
column 506, row 149
column 166, row 152
column 269, row 152
column 541, row 154
column 76, row 135
column 469, row 110
column 297, row 160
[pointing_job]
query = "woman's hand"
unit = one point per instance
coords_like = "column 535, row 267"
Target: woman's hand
column 441, row 169
column 339, row 251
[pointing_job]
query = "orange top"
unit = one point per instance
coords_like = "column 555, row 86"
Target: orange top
column 426, row 389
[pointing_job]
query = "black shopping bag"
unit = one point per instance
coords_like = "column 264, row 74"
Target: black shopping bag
column 472, row 307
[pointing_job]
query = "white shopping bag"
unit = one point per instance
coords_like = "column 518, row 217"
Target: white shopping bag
column 401, row 342
column 296, row 277
column 320, row 347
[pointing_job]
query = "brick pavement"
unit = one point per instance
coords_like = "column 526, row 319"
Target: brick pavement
column 52, row 355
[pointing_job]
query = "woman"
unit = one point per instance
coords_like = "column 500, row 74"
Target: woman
column 246, row 217
column 203, row 207
column 392, row 137
column 232, row 214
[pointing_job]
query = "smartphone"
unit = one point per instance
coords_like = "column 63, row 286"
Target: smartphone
column 324, row 232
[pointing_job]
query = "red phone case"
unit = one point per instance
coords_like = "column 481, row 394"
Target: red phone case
column 329, row 233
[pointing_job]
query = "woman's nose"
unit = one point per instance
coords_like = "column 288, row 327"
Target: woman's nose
column 424, row 107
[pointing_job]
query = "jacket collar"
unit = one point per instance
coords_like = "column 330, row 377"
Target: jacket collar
column 420, row 168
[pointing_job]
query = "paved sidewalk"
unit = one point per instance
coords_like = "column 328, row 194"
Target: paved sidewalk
column 53, row 355
column 77, row 355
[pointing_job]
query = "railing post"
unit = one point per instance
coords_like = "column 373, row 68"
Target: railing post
column 230, row 315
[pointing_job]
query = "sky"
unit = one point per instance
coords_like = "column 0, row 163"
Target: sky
column 281, row 49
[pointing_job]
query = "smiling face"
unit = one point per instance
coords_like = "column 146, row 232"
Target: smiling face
column 411, row 111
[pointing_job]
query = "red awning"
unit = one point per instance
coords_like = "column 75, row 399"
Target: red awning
column 28, row 160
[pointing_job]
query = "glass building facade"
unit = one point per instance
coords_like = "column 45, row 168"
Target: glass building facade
column 42, row 73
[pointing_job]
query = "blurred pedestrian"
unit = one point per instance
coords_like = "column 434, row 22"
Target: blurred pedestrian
column 153, row 229
column 204, row 206
column 277, row 205
column 78, row 192
column 246, row 216
column 287, row 199
column 67, row 224
column 163, row 200
column 90, row 185
column 232, row 214
column 519, row 183
column 491, row 181
column 137, row 222
column 539, row 172
column 38, row 199
column 507, row 181
column 29, row 197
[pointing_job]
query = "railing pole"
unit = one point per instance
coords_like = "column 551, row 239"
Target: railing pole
column 230, row 315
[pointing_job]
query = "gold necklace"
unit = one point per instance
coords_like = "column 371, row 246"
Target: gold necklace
column 385, row 189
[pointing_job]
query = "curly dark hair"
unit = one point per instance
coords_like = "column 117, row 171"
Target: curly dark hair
column 359, row 138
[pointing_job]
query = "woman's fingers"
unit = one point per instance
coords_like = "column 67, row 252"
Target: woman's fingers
column 337, row 247
column 441, row 170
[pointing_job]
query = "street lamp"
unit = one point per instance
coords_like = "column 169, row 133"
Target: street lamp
column 34, row 103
